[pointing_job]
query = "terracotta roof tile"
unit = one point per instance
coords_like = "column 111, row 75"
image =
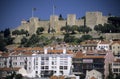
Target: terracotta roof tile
column 104, row 42
column 117, row 60
column 78, row 55
column 91, row 54
column 89, row 42
column 92, row 78
column 87, row 56
column 10, row 69
column 116, row 42
column 5, row 54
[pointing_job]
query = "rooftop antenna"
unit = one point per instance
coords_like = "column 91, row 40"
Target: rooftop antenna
column 53, row 28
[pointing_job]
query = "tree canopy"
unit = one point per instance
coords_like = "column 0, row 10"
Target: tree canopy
column 39, row 30
column 20, row 32
column 113, row 26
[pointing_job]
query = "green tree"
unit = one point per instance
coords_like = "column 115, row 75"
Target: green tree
column 60, row 17
column 53, row 31
column 84, row 29
column 34, row 39
column 2, row 43
column 24, row 41
column 39, row 30
column 16, row 32
column 20, row 32
column 98, row 27
column 114, row 21
column 86, row 37
column 8, row 40
column 70, row 39
column 74, row 28
column 18, row 76
column 67, row 28
column 7, row 32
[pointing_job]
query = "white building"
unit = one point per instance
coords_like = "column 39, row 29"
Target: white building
column 116, row 66
column 103, row 45
column 41, row 63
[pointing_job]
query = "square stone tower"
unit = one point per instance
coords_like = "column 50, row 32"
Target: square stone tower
column 71, row 19
column 54, row 22
column 93, row 18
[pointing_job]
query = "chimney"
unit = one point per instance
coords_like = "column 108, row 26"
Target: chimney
column 45, row 50
column 64, row 50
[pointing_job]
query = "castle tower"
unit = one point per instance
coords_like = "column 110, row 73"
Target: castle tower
column 34, row 24
column 54, row 22
column 71, row 18
column 93, row 18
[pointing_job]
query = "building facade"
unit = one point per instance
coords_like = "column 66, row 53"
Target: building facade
column 39, row 63
column 98, row 60
column 115, row 47
column 115, row 66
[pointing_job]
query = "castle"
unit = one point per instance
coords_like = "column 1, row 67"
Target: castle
column 91, row 19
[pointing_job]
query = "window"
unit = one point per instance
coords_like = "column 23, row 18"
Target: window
column 115, row 70
column 42, row 58
column 36, row 72
column 36, row 67
column 15, row 63
column 65, row 67
column 36, row 63
column 21, row 63
column 42, row 67
column 61, row 67
column 36, row 58
column 54, row 62
column 47, row 58
column 29, row 63
column 61, row 72
column 46, row 67
column 42, row 63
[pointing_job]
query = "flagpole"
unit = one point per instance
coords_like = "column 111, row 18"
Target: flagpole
column 53, row 10
column 32, row 12
column 33, row 9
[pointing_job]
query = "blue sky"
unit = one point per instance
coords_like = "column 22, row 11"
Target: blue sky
column 13, row 11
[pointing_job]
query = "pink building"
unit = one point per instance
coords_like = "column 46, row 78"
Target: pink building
column 109, row 58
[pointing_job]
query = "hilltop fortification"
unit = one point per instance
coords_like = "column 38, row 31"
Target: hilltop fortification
column 91, row 19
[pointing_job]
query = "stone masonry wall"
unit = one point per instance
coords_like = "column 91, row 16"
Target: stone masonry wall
column 92, row 19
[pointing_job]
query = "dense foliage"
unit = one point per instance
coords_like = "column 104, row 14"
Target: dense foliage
column 84, row 29
column 39, row 30
column 60, row 17
column 5, row 39
column 20, row 32
column 113, row 26
column 72, row 39
column 72, row 29
column 35, row 40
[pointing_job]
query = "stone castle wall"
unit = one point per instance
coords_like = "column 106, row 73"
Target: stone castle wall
column 92, row 19
column 95, row 18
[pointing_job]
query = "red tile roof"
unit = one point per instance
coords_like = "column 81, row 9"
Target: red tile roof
column 10, row 69
column 115, row 42
column 105, row 42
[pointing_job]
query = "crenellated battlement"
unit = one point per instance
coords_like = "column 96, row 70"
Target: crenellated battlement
column 91, row 19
